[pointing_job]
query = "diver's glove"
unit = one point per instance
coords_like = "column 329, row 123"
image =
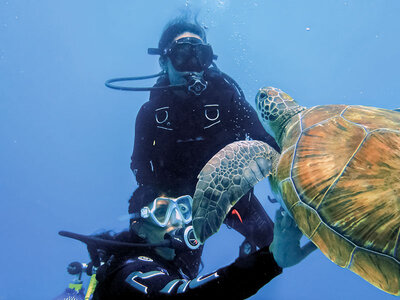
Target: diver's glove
column 261, row 260
column 249, row 273
column 286, row 247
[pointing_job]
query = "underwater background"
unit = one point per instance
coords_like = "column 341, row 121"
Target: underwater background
column 66, row 140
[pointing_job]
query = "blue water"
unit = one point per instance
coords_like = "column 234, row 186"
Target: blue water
column 66, row 140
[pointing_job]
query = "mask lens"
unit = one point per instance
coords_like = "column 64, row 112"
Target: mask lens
column 161, row 209
column 205, row 55
column 185, row 207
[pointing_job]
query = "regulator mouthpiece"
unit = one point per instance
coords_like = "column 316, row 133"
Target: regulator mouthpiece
column 183, row 238
column 196, row 84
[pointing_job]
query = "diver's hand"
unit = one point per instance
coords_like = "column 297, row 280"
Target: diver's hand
column 286, row 244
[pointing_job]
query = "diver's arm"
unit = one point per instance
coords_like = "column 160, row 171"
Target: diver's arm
column 140, row 159
column 247, row 121
column 248, row 274
column 249, row 218
column 286, row 244
column 148, row 280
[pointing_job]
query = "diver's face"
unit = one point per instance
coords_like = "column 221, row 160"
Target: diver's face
column 175, row 76
column 155, row 234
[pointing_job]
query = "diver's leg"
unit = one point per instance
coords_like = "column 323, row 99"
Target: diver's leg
column 249, row 218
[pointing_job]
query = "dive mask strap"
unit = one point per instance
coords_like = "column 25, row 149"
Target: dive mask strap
column 154, row 51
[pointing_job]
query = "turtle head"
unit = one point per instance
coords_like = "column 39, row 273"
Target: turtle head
column 275, row 108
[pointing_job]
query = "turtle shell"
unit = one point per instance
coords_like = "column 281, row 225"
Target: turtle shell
column 339, row 176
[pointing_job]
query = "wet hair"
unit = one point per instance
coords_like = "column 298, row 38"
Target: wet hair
column 178, row 26
column 142, row 196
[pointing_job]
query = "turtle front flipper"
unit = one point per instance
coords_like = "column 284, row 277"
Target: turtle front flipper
column 226, row 178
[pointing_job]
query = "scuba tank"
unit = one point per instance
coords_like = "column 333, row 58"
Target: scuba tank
column 75, row 289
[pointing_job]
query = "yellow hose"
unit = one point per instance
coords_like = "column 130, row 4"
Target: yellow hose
column 91, row 287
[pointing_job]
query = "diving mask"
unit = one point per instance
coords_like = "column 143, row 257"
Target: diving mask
column 162, row 209
column 190, row 55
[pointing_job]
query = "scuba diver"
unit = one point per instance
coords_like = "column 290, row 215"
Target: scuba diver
column 194, row 110
column 157, row 259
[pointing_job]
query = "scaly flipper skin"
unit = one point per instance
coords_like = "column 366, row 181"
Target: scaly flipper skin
column 226, row 178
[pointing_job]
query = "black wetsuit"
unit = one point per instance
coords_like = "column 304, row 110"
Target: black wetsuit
column 151, row 277
column 175, row 136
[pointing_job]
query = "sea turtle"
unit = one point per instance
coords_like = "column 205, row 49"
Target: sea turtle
column 338, row 176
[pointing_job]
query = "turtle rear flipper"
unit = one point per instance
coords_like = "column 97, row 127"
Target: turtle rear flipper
column 226, row 178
